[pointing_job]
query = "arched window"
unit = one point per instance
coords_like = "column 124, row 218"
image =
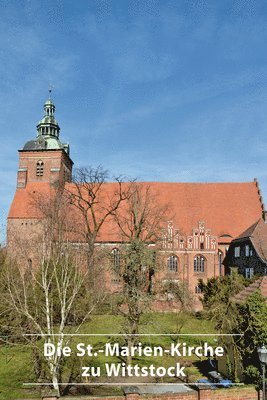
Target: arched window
column 172, row 264
column 199, row 263
column 116, row 258
column 39, row 168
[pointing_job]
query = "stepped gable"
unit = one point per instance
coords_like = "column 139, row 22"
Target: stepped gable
column 226, row 208
column 260, row 284
column 257, row 233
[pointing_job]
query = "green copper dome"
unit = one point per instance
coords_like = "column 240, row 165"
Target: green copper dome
column 47, row 132
column 49, row 102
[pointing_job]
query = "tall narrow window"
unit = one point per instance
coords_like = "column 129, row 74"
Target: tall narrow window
column 220, row 257
column 39, row 168
column 249, row 272
column 237, row 251
column 172, row 264
column 30, row 264
column 199, row 263
column 116, row 258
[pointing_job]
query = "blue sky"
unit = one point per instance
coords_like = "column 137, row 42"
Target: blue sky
column 158, row 90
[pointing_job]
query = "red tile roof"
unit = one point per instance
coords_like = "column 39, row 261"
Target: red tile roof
column 226, row 208
column 260, row 284
column 258, row 236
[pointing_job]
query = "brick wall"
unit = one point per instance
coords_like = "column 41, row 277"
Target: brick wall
column 242, row 393
column 237, row 394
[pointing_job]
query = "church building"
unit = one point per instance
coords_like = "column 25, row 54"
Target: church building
column 206, row 217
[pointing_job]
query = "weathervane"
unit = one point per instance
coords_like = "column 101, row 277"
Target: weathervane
column 50, row 90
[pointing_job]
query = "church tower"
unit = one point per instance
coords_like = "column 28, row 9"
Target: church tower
column 46, row 158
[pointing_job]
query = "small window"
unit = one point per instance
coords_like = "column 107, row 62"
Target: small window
column 249, row 272
column 39, row 168
column 172, row 264
column 247, row 252
column 199, row 263
column 198, row 289
column 116, row 258
column 202, row 246
column 237, row 251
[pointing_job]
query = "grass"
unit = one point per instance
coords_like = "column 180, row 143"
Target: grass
column 16, row 364
column 15, row 368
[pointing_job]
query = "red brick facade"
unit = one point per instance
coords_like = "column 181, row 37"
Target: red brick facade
column 205, row 217
column 55, row 166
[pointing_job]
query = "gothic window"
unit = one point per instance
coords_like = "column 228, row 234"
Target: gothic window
column 39, row 168
column 199, row 263
column 172, row 264
column 116, row 258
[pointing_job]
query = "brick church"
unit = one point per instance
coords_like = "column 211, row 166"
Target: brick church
column 206, row 217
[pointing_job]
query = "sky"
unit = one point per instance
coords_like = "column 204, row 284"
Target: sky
column 155, row 90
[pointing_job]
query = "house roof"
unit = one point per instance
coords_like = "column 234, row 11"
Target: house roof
column 257, row 233
column 260, row 284
column 249, row 231
column 226, row 208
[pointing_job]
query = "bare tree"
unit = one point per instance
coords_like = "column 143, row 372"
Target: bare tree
column 143, row 216
column 140, row 220
column 47, row 292
column 96, row 201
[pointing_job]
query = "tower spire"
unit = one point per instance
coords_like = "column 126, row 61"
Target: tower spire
column 48, row 131
column 48, row 126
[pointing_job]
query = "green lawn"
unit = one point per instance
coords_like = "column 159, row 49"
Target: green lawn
column 15, row 368
column 16, row 364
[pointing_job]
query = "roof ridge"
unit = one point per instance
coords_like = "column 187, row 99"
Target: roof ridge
column 250, row 230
